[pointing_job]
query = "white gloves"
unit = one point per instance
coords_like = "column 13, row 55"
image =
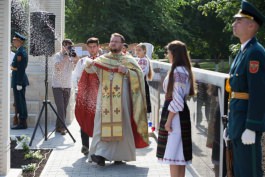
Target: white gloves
column 19, row 87
column 248, row 137
column 225, row 136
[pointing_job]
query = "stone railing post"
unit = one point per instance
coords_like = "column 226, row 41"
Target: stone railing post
column 5, row 16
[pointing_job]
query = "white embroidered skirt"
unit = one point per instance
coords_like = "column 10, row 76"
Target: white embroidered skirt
column 174, row 148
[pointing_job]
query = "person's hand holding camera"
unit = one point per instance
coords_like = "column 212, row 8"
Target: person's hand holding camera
column 71, row 51
column 72, row 54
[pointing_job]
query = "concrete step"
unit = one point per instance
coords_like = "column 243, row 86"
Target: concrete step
column 33, row 118
column 32, row 106
column 31, row 121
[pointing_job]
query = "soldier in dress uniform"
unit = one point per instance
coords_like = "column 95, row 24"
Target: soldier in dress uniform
column 247, row 85
column 19, row 80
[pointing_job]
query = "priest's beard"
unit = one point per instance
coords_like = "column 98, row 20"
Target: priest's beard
column 115, row 50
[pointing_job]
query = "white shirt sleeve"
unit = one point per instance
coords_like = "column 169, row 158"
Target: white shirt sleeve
column 88, row 67
column 77, row 73
column 179, row 90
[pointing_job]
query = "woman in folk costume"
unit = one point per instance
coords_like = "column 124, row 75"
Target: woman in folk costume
column 174, row 139
column 146, row 67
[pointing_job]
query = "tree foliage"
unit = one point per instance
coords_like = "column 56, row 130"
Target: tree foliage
column 19, row 17
column 205, row 26
column 225, row 10
column 137, row 20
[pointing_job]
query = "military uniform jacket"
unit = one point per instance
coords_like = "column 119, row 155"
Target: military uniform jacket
column 20, row 63
column 247, row 74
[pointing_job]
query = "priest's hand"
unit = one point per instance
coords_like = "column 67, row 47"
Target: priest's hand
column 122, row 69
column 248, row 137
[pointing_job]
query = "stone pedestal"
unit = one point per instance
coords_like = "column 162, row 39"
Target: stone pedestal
column 35, row 92
column 4, row 86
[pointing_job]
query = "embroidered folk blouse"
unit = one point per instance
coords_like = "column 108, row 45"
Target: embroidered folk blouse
column 180, row 90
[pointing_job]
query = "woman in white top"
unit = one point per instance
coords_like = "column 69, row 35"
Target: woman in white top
column 146, row 67
column 174, row 139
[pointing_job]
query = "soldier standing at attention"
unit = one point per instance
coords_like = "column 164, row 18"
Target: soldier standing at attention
column 247, row 84
column 19, row 80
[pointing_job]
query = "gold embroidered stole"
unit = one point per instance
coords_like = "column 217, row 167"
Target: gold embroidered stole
column 139, row 103
column 111, row 114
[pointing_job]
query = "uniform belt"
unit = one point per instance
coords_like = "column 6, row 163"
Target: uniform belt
column 240, row 95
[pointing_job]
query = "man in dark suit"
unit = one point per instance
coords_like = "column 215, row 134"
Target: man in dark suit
column 247, row 83
column 19, row 80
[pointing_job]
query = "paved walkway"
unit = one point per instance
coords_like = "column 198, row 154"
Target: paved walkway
column 66, row 159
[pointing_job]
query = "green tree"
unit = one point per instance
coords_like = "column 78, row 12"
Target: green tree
column 205, row 36
column 19, row 17
column 225, row 10
column 205, row 26
column 137, row 20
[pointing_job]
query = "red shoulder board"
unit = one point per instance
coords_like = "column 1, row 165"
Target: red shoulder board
column 19, row 58
column 253, row 67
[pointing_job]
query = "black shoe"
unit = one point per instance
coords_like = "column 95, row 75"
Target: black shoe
column 19, row 127
column 85, row 150
column 63, row 131
column 98, row 159
column 119, row 162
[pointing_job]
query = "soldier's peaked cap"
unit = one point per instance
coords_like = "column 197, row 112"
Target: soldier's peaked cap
column 19, row 36
column 249, row 11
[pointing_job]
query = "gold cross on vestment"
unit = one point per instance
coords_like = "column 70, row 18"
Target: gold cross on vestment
column 117, row 111
column 116, row 88
column 106, row 112
column 106, row 88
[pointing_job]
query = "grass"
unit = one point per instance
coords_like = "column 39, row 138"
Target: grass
column 223, row 66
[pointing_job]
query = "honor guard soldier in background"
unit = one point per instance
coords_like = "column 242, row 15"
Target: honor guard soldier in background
column 247, row 84
column 19, row 80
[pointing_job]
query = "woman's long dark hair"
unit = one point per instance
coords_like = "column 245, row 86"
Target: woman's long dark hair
column 181, row 57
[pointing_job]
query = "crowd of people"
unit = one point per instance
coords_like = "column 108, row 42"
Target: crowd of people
column 113, row 98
